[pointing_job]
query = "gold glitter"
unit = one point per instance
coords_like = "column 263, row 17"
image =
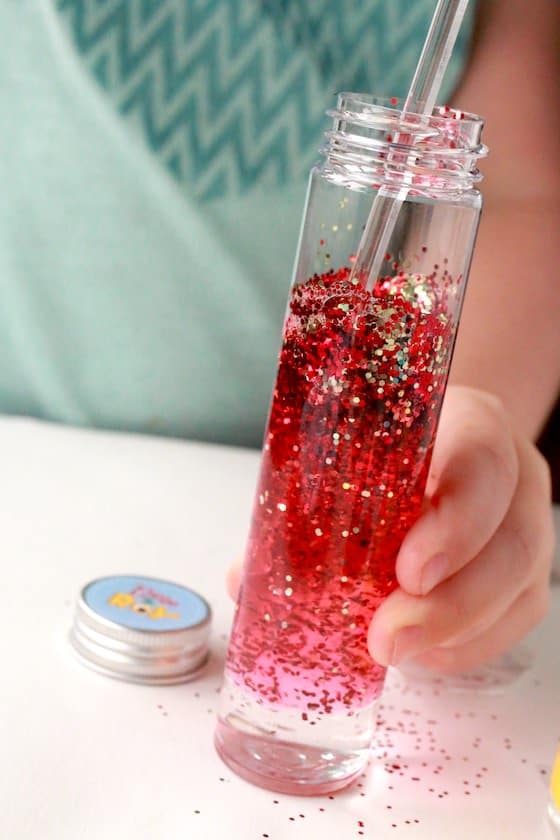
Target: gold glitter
column 344, row 579
column 344, row 611
column 346, row 485
column 414, row 288
column 283, row 624
column 266, row 617
column 335, row 228
column 355, row 530
column 328, row 461
column 295, row 448
column 261, row 499
column 289, row 591
column 281, row 506
column 390, row 494
column 345, row 533
column 405, row 461
column 318, row 532
column 349, row 226
column 356, row 400
column 288, row 578
column 366, row 494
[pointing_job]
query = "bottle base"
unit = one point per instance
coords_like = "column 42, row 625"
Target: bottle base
column 287, row 767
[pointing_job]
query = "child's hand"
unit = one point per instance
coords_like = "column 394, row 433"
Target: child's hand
column 474, row 570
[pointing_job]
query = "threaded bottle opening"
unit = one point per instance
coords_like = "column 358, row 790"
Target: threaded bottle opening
column 373, row 143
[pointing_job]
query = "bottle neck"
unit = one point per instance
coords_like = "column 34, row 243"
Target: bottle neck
column 374, row 144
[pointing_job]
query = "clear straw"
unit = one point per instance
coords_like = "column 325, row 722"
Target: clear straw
column 421, row 100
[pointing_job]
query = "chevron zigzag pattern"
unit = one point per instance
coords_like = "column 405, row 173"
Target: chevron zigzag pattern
column 231, row 94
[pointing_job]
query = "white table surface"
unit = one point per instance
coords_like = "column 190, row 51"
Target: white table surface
column 84, row 756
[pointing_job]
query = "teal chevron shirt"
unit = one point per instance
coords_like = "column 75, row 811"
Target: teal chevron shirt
column 152, row 175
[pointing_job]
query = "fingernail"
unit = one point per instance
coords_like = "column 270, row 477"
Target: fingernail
column 408, row 642
column 434, row 571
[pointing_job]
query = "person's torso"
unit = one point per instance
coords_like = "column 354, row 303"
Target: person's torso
column 155, row 156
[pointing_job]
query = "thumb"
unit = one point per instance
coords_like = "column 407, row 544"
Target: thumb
column 233, row 578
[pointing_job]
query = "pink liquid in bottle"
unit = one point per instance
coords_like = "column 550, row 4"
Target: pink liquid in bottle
column 344, row 467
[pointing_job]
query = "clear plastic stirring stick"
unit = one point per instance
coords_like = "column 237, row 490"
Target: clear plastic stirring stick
column 421, row 99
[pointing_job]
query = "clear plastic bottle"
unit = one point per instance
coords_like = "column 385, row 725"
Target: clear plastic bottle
column 554, row 796
column 361, row 377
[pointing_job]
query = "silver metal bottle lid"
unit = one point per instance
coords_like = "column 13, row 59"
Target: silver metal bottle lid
column 141, row 629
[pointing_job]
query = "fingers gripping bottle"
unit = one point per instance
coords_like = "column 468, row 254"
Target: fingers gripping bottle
column 361, row 377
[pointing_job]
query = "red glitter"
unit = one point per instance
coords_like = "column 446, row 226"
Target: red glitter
column 346, row 457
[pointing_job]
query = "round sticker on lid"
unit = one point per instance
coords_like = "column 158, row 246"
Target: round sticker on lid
column 146, row 603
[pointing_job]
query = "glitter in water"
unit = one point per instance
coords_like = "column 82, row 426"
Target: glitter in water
column 328, row 524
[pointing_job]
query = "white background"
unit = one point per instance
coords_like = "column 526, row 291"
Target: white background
column 84, row 756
